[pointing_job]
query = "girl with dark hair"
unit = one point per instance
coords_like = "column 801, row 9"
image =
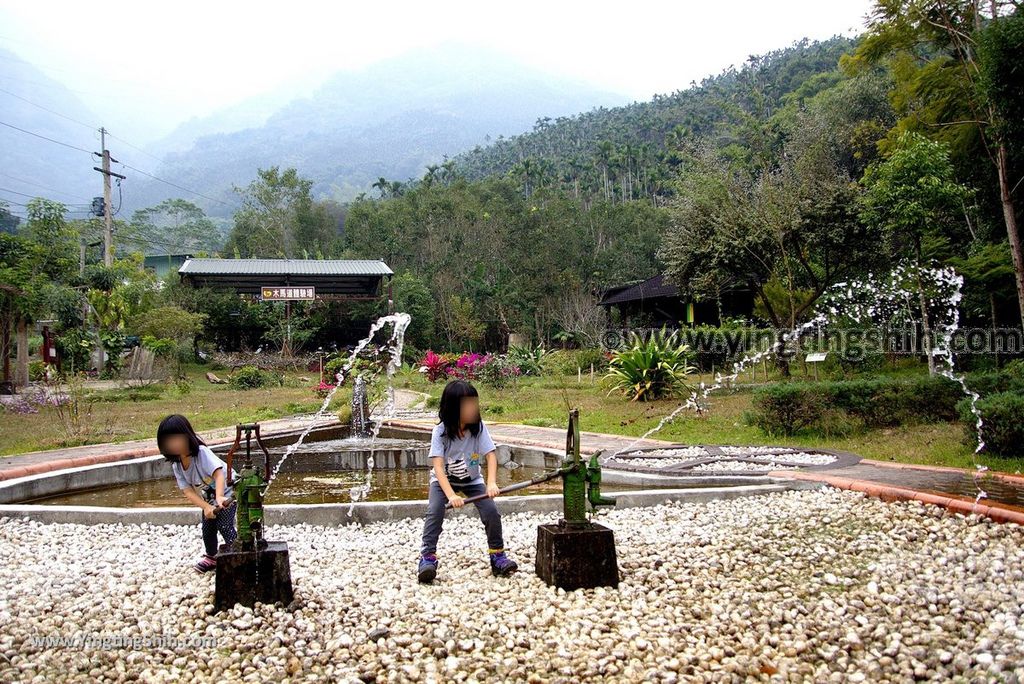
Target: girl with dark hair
column 203, row 479
column 458, row 445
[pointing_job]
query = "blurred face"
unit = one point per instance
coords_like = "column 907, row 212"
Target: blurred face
column 176, row 445
column 470, row 410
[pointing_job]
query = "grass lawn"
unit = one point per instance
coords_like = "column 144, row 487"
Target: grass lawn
column 545, row 401
column 119, row 415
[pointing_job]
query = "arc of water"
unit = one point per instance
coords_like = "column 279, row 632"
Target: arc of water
column 895, row 291
column 396, row 343
column 401, row 322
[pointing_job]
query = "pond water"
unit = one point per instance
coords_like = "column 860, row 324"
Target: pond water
column 301, row 487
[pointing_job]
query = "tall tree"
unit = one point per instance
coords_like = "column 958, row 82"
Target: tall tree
column 175, row 226
column 913, row 197
column 33, row 265
column 957, row 78
column 279, row 218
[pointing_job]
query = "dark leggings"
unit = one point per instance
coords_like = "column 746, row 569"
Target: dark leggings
column 435, row 516
column 225, row 522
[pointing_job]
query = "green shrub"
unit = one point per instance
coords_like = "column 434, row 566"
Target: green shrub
column 650, row 369
column 528, row 359
column 1015, row 369
column 885, row 402
column 135, row 394
column 251, row 377
column 995, row 382
column 361, row 365
column 786, row 408
column 872, row 401
column 931, row 399
column 840, row 406
column 1002, row 427
column 569, row 361
column 499, row 371
column 36, row 371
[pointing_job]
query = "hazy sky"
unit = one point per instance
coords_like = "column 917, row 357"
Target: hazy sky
column 146, row 66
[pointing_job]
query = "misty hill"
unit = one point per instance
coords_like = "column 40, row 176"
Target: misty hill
column 390, row 119
column 32, row 166
column 589, row 149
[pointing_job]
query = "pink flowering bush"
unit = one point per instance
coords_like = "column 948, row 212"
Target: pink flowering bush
column 469, row 366
column 493, row 369
column 323, row 389
column 434, row 366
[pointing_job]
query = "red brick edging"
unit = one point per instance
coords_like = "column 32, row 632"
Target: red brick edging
column 1006, row 477
column 79, row 461
column 957, row 504
column 76, row 462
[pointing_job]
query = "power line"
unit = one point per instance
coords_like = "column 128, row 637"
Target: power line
column 46, row 109
column 174, row 185
column 52, row 86
column 37, row 185
column 67, row 207
column 134, row 147
column 80, row 123
column 24, row 194
column 41, row 67
column 127, row 166
column 57, row 142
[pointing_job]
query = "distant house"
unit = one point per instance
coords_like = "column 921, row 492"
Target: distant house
column 162, row 264
column 656, row 302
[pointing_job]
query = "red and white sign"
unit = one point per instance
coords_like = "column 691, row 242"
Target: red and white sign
column 274, row 294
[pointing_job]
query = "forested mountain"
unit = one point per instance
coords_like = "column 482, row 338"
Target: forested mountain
column 34, row 167
column 521, row 235
column 390, row 119
column 627, row 152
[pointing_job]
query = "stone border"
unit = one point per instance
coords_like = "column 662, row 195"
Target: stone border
column 143, row 468
column 714, row 455
column 368, row 512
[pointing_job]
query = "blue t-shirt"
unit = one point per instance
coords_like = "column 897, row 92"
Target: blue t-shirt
column 199, row 473
column 462, row 457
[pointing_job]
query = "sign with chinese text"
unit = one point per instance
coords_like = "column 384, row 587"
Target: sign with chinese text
column 275, row 294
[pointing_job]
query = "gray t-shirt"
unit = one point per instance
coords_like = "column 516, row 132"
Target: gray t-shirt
column 199, row 473
column 462, row 457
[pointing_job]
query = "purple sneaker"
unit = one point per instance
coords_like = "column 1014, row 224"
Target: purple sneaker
column 428, row 568
column 502, row 565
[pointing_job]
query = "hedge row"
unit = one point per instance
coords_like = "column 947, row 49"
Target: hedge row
column 787, row 408
column 1002, row 423
column 842, row 406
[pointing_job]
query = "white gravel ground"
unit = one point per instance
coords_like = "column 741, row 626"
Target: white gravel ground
column 737, row 466
column 811, row 586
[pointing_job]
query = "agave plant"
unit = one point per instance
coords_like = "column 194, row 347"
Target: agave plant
column 650, row 369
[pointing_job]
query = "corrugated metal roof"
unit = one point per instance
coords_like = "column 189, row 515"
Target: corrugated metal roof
column 355, row 267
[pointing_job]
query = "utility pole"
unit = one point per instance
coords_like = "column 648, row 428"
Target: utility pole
column 108, row 215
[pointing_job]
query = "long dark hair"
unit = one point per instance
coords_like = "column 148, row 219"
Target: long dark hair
column 177, row 424
column 451, row 408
